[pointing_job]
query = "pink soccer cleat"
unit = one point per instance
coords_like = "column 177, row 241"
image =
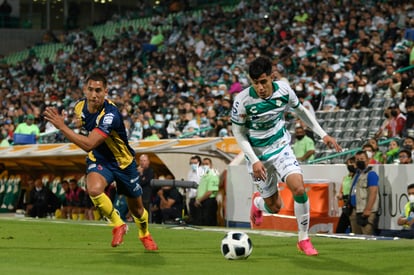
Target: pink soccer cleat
column 256, row 215
column 306, row 247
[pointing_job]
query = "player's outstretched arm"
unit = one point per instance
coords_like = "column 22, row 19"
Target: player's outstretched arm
column 311, row 121
column 87, row 143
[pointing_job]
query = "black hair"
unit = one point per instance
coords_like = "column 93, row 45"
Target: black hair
column 259, row 66
column 97, row 77
column 408, row 152
column 411, row 185
column 197, row 158
column 362, row 152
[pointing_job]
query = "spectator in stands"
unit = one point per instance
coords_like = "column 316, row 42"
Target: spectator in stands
column 348, row 97
column 194, row 174
column 146, row 174
column 408, row 144
column 357, row 50
column 364, row 197
column 391, row 156
column 404, row 156
column 65, row 208
column 154, row 134
column 394, row 125
column 4, row 141
column 28, row 127
column 205, row 202
column 369, row 149
column 314, row 90
column 406, row 220
column 304, row 146
column 76, row 200
column 362, row 98
column 171, row 203
column 408, row 96
column 306, row 103
column 409, row 124
column 41, row 201
column 378, row 155
column 330, row 100
column 191, row 124
column 343, row 195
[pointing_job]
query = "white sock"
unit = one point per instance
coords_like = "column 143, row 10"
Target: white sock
column 260, row 203
column 302, row 217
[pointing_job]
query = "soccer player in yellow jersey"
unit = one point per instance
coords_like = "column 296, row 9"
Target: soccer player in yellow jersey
column 110, row 158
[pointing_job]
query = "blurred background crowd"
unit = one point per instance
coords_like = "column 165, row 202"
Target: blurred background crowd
column 180, row 81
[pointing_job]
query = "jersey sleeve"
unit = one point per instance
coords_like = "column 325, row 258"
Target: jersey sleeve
column 238, row 113
column 293, row 99
column 109, row 121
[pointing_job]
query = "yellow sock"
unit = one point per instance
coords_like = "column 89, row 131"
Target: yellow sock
column 75, row 217
column 104, row 204
column 58, row 214
column 96, row 215
column 82, row 216
column 142, row 224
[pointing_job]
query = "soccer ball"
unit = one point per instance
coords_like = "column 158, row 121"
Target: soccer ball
column 236, row 246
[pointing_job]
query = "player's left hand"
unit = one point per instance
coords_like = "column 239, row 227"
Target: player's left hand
column 331, row 143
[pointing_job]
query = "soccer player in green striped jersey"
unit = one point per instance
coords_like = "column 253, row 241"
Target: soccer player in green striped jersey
column 258, row 124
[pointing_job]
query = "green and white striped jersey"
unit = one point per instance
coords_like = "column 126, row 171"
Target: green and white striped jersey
column 263, row 119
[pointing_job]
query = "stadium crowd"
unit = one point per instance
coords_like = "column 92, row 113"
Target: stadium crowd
column 180, row 82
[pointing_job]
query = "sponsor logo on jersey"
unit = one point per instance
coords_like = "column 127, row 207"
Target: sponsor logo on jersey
column 107, row 119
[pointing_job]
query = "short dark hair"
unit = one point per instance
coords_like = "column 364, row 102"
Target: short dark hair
column 411, row 185
column 368, row 145
column 197, row 158
column 408, row 152
column 259, row 66
column 362, row 153
column 97, row 77
column 350, row 159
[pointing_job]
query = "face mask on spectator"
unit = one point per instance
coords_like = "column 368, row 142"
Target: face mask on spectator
column 411, row 198
column 361, row 165
column 329, row 91
column 206, row 168
column 194, row 167
column 361, row 89
column 369, row 154
column 351, row 168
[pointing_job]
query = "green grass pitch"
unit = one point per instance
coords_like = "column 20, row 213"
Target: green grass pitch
column 44, row 246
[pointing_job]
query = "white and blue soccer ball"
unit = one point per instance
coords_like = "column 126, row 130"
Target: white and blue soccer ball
column 236, row 246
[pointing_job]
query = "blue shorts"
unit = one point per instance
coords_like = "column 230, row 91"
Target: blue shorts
column 127, row 180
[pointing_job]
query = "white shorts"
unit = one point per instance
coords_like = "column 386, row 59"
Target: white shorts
column 278, row 168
